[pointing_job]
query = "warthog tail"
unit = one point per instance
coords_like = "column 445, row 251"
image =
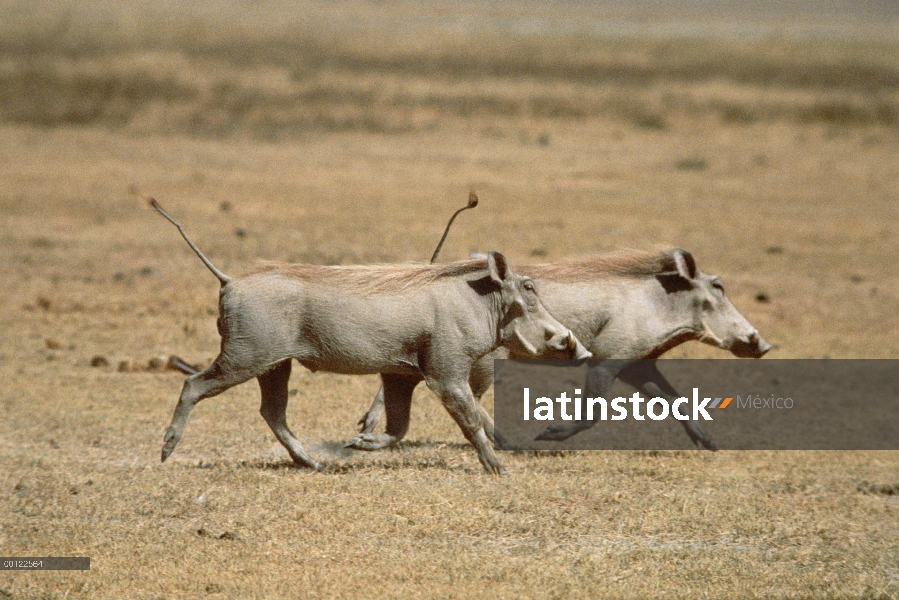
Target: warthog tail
column 472, row 202
column 224, row 279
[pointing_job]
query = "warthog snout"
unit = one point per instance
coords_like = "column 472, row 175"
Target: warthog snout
column 753, row 346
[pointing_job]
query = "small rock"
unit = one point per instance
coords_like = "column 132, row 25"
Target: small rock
column 225, row 206
column 52, row 344
column 54, row 445
column 146, row 271
column 128, row 366
column 225, row 535
column 240, row 232
column 691, row 164
column 99, row 361
column 213, row 588
column 762, row 298
column 158, row 363
column 43, row 303
column 774, row 250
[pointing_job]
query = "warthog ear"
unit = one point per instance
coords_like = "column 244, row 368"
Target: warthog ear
column 686, row 264
column 498, row 267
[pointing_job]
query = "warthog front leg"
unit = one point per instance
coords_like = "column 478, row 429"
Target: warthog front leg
column 461, row 405
column 273, row 386
column 373, row 415
column 481, row 379
column 645, row 376
column 214, row 380
column 396, row 395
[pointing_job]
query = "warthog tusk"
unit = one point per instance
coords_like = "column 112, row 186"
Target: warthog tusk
column 527, row 346
column 707, row 337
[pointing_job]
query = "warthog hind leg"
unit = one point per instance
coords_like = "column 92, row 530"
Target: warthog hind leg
column 273, row 386
column 396, row 393
column 214, row 380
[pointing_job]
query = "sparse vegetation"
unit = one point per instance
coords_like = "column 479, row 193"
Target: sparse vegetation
column 208, row 72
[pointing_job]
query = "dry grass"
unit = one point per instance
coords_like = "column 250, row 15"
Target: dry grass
column 802, row 210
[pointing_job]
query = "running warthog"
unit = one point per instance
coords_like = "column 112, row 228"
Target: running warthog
column 628, row 305
column 431, row 321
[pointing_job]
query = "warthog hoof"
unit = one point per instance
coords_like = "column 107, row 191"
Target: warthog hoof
column 371, row 441
column 556, row 433
column 493, row 467
column 368, row 422
column 699, row 437
column 705, row 441
column 169, row 443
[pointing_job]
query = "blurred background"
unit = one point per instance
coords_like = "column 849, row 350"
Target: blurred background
column 272, row 69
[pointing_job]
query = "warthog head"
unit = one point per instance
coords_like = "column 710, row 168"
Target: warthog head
column 526, row 327
column 717, row 320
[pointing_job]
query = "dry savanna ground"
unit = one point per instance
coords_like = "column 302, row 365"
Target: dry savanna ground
column 347, row 133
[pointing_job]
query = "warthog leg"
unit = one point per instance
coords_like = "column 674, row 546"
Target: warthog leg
column 396, row 399
column 646, row 377
column 599, row 379
column 480, row 380
column 212, row 381
column 373, row 415
column 461, row 405
column 273, row 408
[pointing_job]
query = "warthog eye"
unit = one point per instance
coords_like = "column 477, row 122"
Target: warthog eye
column 529, row 286
column 718, row 286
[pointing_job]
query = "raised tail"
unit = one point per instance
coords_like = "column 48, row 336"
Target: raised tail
column 472, row 202
column 224, row 279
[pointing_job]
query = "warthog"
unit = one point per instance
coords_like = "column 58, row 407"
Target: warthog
column 431, row 321
column 628, row 305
